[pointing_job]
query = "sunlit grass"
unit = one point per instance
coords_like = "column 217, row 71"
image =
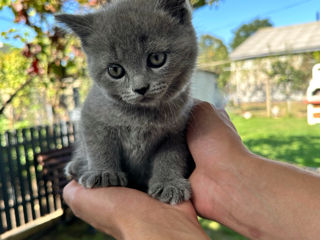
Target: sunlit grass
column 217, row 231
column 285, row 139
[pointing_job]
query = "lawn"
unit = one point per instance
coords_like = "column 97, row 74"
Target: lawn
column 283, row 139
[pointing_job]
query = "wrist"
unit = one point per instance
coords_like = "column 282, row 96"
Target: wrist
column 219, row 183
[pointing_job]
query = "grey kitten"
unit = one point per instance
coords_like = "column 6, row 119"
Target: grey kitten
column 141, row 54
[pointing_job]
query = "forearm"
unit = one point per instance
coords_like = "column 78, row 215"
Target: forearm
column 264, row 199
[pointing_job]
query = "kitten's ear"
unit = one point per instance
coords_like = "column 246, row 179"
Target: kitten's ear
column 81, row 25
column 180, row 9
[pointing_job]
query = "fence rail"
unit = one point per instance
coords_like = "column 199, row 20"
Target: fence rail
column 25, row 195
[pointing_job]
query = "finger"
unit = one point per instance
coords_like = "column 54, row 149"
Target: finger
column 69, row 192
column 93, row 206
column 202, row 116
column 226, row 118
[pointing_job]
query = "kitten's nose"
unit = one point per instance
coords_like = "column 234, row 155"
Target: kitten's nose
column 142, row 90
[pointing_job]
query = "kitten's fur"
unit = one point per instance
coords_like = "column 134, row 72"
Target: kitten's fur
column 126, row 138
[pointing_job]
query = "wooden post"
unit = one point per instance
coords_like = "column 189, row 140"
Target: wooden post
column 20, row 176
column 28, row 168
column 44, row 147
column 12, row 177
column 4, row 188
column 35, row 164
column 268, row 97
column 62, row 136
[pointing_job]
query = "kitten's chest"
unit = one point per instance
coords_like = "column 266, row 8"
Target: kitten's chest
column 138, row 143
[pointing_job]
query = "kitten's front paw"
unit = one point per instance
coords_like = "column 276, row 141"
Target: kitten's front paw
column 173, row 191
column 73, row 169
column 93, row 179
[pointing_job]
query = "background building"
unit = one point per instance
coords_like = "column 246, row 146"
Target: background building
column 254, row 63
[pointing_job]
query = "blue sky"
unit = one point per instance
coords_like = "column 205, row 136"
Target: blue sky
column 7, row 22
column 221, row 21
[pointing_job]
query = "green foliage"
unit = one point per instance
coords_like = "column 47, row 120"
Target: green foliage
column 287, row 77
column 316, row 56
column 53, row 62
column 246, row 30
column 213, row 56
column 3, row 123
column 212, row 48
column 200, row 3
column 13, row 68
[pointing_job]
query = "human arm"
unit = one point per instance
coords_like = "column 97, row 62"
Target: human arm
column 130, row 214
column 257, row 197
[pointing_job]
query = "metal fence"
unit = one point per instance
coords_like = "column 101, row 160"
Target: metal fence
column 24, row 194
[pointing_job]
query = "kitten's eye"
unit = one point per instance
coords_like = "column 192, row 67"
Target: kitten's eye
column 156, row 60
column 116, row 71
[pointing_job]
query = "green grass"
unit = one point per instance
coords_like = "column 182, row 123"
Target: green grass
column 217, row 231
column 74, row 230
column 283, row 139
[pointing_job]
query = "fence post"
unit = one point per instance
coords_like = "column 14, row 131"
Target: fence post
column 25, row 148
column 21, row 180
column 4, row 188
column 12, row 178
column 35, row 164
column 61, row 126
column 1, row 223
column 45, row 183
column 55, row 126
column 48, row 138
column 74, row 131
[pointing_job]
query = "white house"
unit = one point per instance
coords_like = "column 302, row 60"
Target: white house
column 204, row 87
column 255, row 55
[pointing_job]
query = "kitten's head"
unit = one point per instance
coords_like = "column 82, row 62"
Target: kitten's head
column 140, row 52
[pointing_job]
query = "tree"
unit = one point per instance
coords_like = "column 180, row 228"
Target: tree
column 247, row 30
column 13, row 79
column 213, row 56
column 200, row 3
column 288, row 78
column 54, row 60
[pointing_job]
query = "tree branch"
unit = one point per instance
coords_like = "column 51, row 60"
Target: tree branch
column 14, row 95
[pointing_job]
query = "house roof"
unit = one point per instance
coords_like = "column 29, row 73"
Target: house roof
column 279, row 41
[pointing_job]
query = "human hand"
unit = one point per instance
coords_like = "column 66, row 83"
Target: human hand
column 217, row 150
column 257, row 197
column 130, row 214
